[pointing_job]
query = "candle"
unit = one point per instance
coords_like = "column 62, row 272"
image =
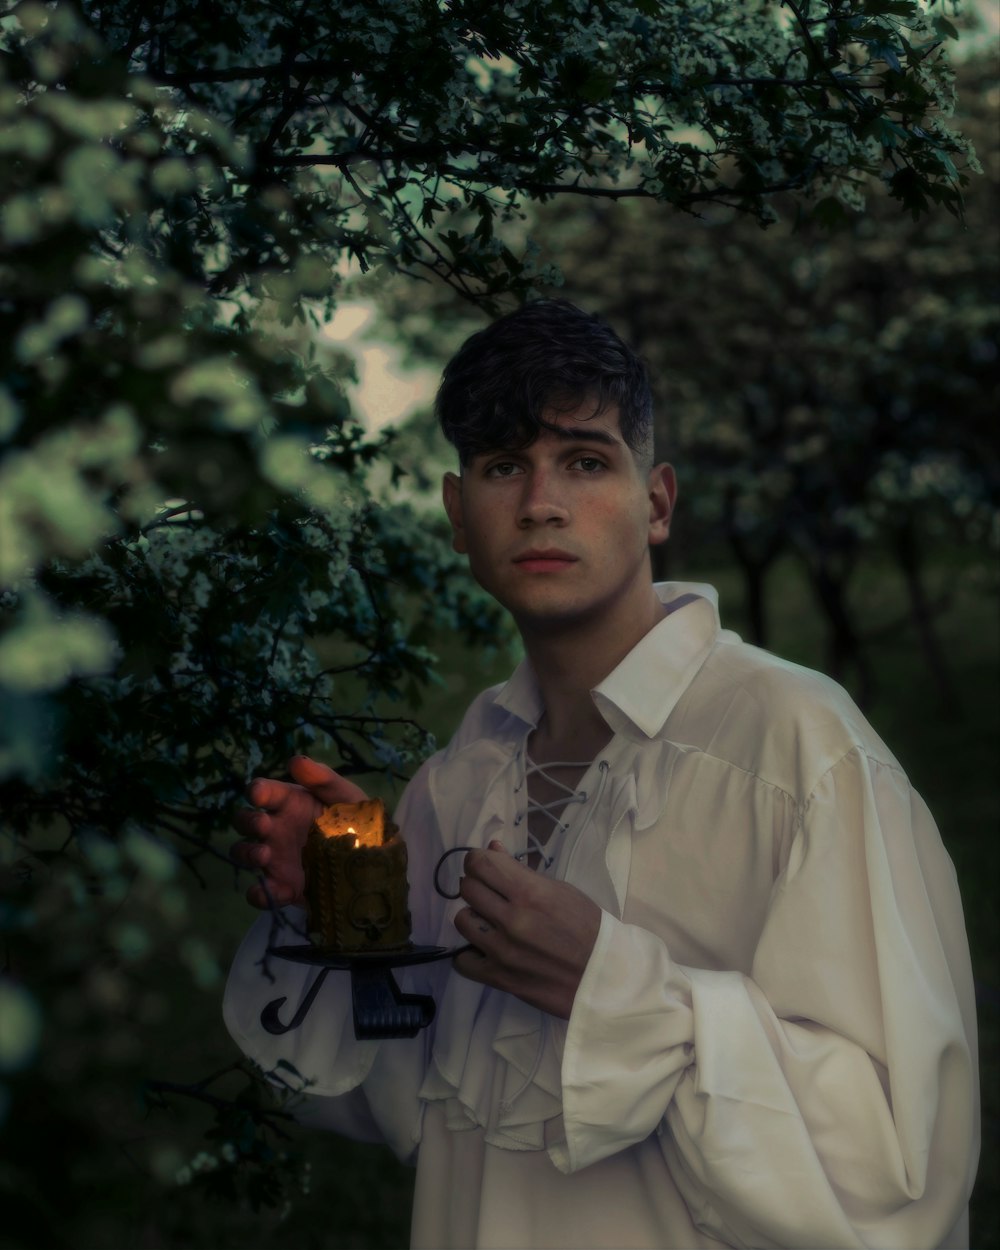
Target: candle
column 355, row 870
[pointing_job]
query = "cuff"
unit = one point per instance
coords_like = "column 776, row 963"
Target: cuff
column 629, row 1039
column 323, row 1049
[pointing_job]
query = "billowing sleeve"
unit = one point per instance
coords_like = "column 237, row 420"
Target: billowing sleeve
column 366, row 1090
column 829, row 1098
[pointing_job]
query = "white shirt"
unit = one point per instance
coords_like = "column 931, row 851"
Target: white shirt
column 774, row 1040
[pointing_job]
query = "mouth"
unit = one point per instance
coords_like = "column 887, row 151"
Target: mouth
column 547, row 560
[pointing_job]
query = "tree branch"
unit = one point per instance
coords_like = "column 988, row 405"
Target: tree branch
column 260, row 1116
column 248, row 73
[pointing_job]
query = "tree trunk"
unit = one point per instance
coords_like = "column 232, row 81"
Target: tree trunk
column 844, row 650
column 754, row 566
column 907, row 551
column 754, row 573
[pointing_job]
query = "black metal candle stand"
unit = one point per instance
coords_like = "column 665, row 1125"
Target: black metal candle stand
column 380, row 1008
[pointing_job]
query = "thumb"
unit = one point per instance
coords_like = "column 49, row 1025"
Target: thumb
column 322, row 782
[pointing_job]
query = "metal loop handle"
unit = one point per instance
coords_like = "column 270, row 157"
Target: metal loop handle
column 455, row 850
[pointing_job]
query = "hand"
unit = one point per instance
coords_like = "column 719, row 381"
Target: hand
column 532, row 936
column 277, row 825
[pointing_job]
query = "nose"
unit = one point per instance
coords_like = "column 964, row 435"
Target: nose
column 541, row 502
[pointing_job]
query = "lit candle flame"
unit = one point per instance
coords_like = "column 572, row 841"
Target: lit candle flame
column 357, row 840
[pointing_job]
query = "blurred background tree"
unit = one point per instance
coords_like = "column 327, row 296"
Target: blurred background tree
column 196, row 579
column 825, row 394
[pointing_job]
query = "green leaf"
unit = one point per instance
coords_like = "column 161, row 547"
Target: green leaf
column 945, row 28
column 20, row 1026
column 598, row 85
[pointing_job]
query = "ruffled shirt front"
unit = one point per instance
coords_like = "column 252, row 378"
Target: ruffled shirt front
column 773, row 1043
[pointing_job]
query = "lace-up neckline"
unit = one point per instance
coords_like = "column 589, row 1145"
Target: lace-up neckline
column 546, row 846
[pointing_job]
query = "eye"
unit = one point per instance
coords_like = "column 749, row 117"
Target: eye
column 588, row 464
column 502, row 468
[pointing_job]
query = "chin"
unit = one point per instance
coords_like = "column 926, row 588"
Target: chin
column 556, row 614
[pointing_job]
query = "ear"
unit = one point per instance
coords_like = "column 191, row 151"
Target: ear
column 451, row 494
column 662, row 497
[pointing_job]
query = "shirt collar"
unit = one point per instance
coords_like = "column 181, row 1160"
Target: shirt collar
column 520, row 695
column 673, row 650
column 647, row 685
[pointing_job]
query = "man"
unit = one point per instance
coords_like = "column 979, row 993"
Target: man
column 717, row 990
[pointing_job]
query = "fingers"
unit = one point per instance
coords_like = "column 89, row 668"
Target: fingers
column 275, row 828
column 308, row 774
column 323, row 782
column 486, row 888
column 474, row 926
column 476, row 959
column 482, row 922
column 483, row 901
column 251, row 822
column 270, row 891
column 492, row 881
column 269, row 794
column 471, row 963
column 497, row 870
column 257, row 829
column 253, row 855
column 274, row 896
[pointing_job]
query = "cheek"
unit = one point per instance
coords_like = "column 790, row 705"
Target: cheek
column 617, row 528
column 479, row 543
column 477, row 534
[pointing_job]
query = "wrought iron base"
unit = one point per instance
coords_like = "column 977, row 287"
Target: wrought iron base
column 381, row 1010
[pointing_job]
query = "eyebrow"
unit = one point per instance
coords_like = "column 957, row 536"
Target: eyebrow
column 574, row 434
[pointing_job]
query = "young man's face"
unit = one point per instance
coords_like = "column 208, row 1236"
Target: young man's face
column 559, row 531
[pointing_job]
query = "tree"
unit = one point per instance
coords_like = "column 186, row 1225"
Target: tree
column 185, row 522
column 828, row 395
column 840, row 404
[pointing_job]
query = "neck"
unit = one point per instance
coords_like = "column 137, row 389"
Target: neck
column 570, row 660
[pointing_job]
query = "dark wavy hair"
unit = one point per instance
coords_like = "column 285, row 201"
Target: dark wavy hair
column 547, row 355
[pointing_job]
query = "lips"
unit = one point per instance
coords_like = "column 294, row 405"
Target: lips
column 544, row 560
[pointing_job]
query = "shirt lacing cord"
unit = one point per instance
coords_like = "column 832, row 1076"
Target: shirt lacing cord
column 561, row 802
column 575, row 796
